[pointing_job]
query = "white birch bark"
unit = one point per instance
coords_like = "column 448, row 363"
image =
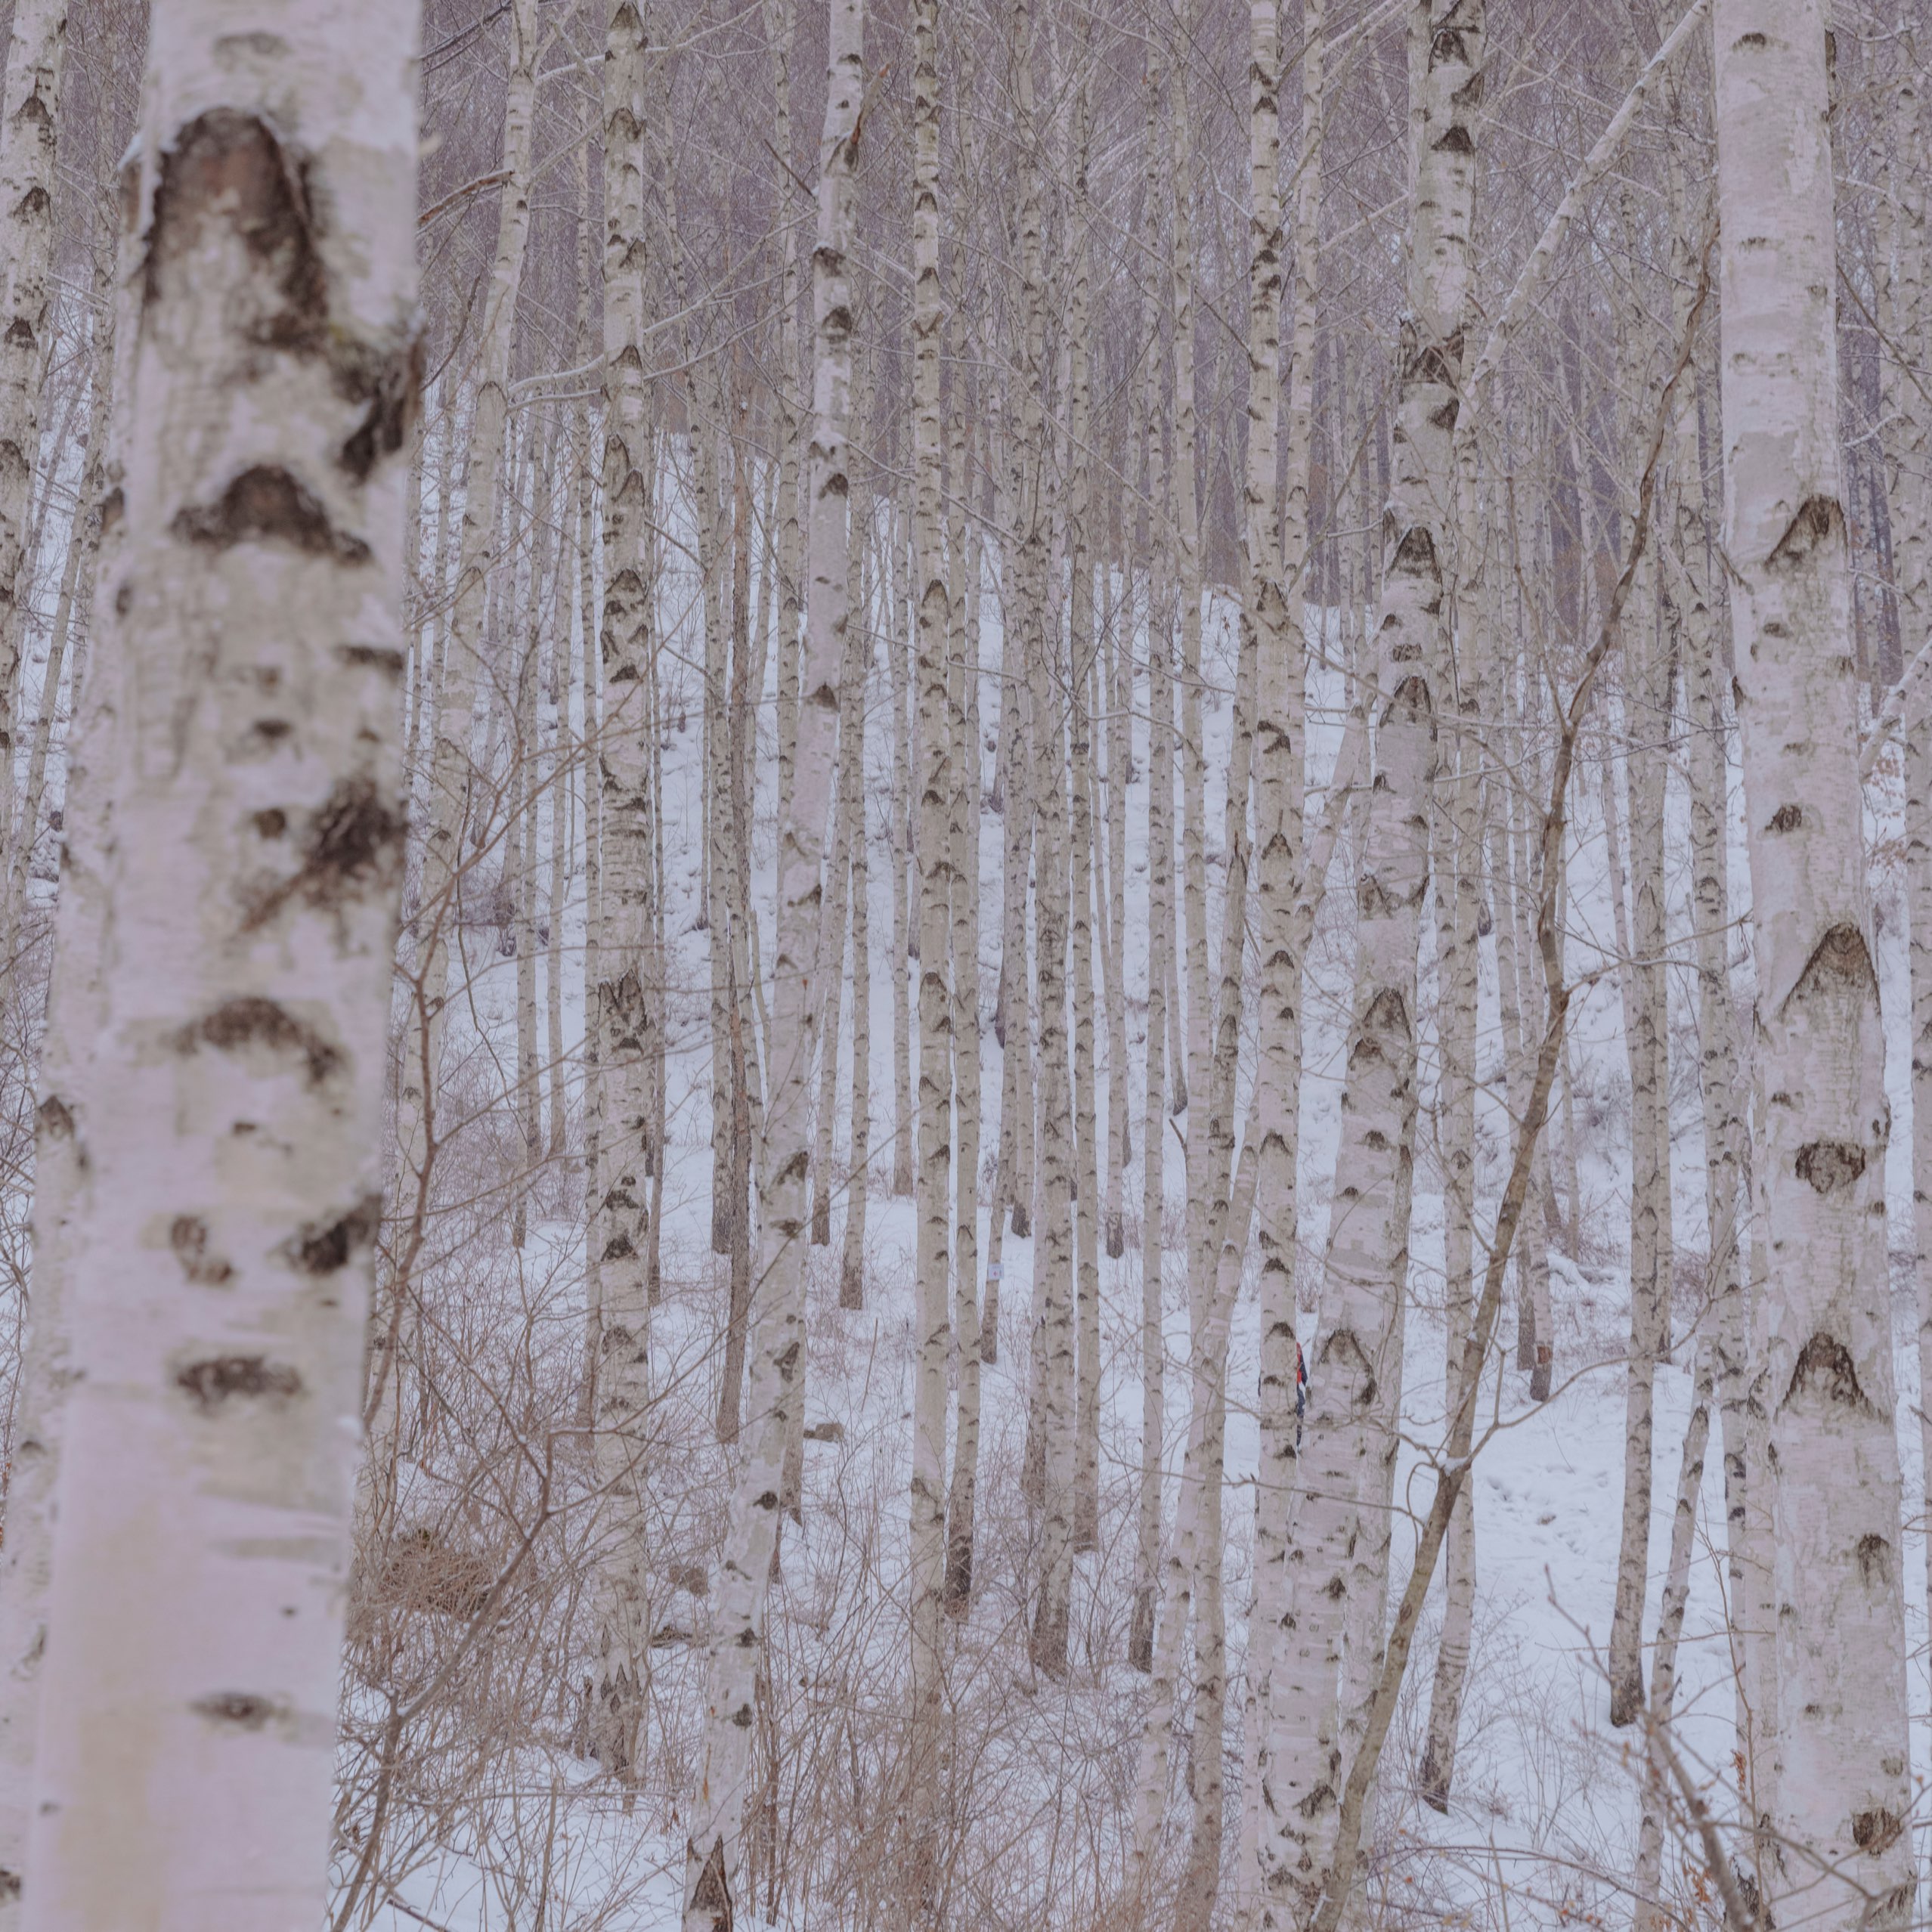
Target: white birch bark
column 1354, row 1373
column 935, row 854
column 900, row 835
column 832, row 940
column 965, row 564
column 1160, row 932
column 74, row 597
column 713, row 1855
column 1039, row 641
column 627, row 1036
column 223, row 1229
column 856, row 839
column 1083, row 645
column 74, row 1020
column 1652, row 1912
column 1647, row 708
column 454, row 782
column 29, row 112
column 1275, row 615
column 1832, row 1456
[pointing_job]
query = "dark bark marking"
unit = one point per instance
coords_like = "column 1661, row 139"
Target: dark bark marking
column 228, row 166
column 1873, row 1831
column 242, row 1709
column 1824, row 1364
column 252, row 1021
column 1830, row 1164
column 215, row 1382
column 355, row 842
column 322, row 1248
column 390, row 386
column 188, row 1237
column 265, row 504
column 1819, row 521
column 1839, row 961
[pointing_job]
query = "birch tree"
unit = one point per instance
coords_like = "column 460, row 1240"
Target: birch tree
column 1831, row 1455
column 247, row 917
column 626, row 1038
column 1355, row 1371
column 714, row 1854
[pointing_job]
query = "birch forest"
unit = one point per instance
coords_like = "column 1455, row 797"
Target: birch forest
column 965, row 965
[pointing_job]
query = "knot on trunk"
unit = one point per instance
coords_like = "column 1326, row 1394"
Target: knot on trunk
column 1829, row 1165
column 1825, row 1369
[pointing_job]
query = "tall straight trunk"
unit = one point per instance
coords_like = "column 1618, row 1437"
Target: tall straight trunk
column 1039, row 635
column 1652, row 1914
column 782, row 27
column 1831, row 1456
column 965, row 562
column 832, row 939
column 731, row 867
column 455, row 792
column 1647, row 706
column 857, row 840
column 1458, row 866
column 556, row 882
column 625, row 1022
column 1207, row 1370
column 933, row 1332
column 74, row 1018
column 1116, row 698
column 1082, row 644
column 714, row 1857
column 75, row 595
column 1015, row 1023
column 1160, row 927
column 590, row 758
column 900, row 841
column 718, row 859
column 239, row 971
column 1281, row 761
column 1213, row 1037
column 1192, row 965
column 520, row 845
column 1719, row 1049
column 1908, row 507
column 1354, row 1381
column 29, row 112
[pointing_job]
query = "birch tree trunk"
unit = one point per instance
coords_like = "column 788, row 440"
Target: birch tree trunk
column 935, row 851
column 245, row 950
column 1082, row 648
column 1647, row 706
column 1652, row 1914
column 28, row 114
column 452, row 777
column 628, row 1038
column 832, row 939
column 901, row 837
column 1355, row 1376
column 713, row 1853
column 75, row 1017
column 1831, row 1457
column 75, row 595
column 965, row 563
column 1053, row 1283
column 1160, row 931
column 857, row 840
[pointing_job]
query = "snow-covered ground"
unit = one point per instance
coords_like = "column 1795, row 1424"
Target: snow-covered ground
column 1546, row 1802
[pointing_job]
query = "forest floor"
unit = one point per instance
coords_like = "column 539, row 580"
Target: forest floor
column 1546, row 1802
